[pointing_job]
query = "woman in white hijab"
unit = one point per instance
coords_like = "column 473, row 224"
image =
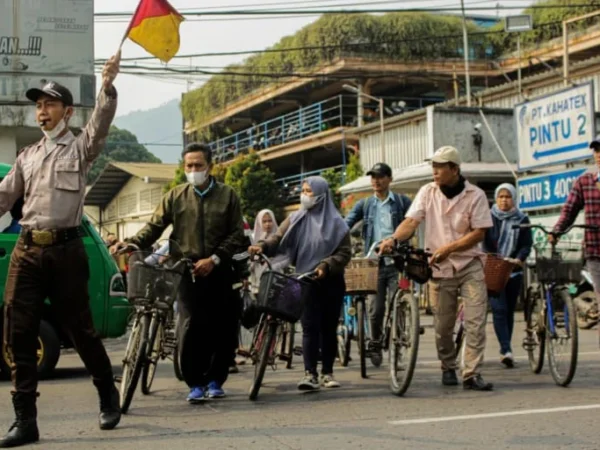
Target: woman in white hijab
column 265, row 226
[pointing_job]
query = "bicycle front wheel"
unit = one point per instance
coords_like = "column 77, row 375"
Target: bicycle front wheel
column 404, row 341
column 563, row 342
column 264, row 347
column 135, row 353
column 154, row 347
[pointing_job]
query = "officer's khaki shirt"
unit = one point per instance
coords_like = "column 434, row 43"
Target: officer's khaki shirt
column 52, row 181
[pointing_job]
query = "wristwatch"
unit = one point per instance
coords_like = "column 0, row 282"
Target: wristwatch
column 216, row 259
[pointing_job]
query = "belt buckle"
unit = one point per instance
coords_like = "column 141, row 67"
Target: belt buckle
column 43, row 238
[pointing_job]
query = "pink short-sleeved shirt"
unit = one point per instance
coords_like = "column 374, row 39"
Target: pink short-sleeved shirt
column 447, row 220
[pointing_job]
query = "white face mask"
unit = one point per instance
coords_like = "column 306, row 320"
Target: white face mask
column 56, row 131
column 307, row 201
column 197, row 178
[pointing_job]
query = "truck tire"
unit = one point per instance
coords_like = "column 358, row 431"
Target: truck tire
column 48, row 352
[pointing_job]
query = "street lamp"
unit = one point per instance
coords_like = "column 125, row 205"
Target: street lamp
column 518, row 24
column 357, row 91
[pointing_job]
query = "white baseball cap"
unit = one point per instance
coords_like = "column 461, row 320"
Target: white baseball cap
column 444, row 155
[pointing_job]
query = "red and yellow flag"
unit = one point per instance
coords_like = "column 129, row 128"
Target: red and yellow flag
column 155, row 27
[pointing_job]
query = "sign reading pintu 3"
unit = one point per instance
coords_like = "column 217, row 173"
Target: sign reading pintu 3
column 546, row 191
column 556, row 128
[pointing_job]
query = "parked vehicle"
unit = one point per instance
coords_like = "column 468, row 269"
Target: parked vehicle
column 110, row 308
column 584, row 299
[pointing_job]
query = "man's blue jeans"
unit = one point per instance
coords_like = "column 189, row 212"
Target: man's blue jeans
column 503, row 311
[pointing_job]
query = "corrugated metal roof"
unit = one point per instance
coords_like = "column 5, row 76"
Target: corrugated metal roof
column 413, row 177
column 115, row 175
column 156, row 171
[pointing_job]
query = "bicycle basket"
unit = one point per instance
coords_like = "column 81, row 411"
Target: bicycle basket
column 417, row 268
column 564, row 266
column 361, row 276
column 282, row 296
column 156, row 284
column 497, row 273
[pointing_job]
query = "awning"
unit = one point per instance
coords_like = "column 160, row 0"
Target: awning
column 413, row 177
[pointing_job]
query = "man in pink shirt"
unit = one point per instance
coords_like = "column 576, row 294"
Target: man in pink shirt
column 456, row 215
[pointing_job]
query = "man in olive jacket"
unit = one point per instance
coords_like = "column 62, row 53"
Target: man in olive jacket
column 207, row 224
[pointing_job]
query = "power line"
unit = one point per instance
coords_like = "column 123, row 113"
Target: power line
column 284, row 11
column 330, row 47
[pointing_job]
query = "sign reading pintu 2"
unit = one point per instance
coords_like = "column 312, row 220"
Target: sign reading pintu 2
column 546, row 191
column 555, row 128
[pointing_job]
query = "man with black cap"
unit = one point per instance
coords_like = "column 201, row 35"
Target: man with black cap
column 49, row 259
column 381, row 214
column 585, row 194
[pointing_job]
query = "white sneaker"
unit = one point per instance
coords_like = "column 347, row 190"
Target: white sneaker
column 310, row 382
column 508, row 360
column 329, row 382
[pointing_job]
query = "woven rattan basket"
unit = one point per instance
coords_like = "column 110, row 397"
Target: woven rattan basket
column 361, row 276
column 497, row 273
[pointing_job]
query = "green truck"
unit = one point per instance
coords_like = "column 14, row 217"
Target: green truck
column 110, row 308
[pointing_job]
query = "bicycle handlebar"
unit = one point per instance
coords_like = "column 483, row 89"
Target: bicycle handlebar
column 545, row 230
column 403, row 248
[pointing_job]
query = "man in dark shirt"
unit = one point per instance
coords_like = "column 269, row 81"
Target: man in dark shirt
column 207, row 224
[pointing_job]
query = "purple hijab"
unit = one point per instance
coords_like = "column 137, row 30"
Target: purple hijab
column 314, row 234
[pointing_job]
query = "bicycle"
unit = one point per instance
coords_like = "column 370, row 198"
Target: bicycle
column 551, row 317
column 402, row 329
column 347, row 330
column 281, row 300
column 152, row 289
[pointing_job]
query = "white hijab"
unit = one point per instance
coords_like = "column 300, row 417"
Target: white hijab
column 259, row 233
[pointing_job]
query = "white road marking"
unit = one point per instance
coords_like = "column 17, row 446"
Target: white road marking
column 492, row 415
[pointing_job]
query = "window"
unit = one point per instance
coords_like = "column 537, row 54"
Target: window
column 146, row 200
column 156, row 197
column 127, row 204
column 111, row 211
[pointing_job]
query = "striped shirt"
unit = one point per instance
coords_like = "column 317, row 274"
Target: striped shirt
column 585, row 195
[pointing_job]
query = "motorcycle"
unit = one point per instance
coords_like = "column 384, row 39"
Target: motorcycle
column 584, row 299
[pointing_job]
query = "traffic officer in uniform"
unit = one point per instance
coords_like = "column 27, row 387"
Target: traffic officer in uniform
column 49, row 259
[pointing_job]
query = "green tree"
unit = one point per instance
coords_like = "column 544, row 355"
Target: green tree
column 255, row 185
column 122, row 146
column 336, row 178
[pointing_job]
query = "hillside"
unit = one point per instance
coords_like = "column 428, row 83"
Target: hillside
column 158, row 125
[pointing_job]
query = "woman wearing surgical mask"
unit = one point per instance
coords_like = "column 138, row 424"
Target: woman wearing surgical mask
column 316, row 238
column 514, row 244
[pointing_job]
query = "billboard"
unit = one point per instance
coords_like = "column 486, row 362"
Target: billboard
column 556, row 128
column 43, row 40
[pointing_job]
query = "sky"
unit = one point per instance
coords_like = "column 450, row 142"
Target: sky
column 210, row 35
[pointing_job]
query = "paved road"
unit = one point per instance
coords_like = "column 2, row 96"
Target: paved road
column 525, row 411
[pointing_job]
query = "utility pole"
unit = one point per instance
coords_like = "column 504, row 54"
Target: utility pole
column 466, row 51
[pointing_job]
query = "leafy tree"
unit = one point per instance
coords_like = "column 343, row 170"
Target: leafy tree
column 122, row 146
column 548, row 23
column 336, row 178
column 255, row 185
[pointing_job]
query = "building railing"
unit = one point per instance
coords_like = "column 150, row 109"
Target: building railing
column 291, row 186
column 339, row 111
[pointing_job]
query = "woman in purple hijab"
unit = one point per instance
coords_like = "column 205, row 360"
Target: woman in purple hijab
column 316, row 238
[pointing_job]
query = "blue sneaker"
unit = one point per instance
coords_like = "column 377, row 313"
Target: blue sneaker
column 197, row 395
column 215, row 390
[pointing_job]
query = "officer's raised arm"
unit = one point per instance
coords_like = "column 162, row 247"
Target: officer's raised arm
column 91, row 141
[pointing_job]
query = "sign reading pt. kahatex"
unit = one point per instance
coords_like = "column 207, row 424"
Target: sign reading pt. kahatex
column 556, row 128
column 42, row 40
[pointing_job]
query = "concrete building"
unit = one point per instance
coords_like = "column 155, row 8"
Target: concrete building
column 43, row 40
column 125, row 195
